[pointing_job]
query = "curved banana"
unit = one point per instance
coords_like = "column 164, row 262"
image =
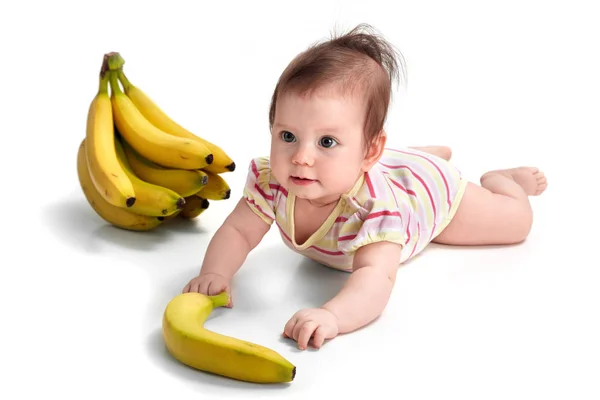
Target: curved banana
column 107, row 175
column 216, row 188
column 183, row 181
column 151, row 142
column 117, row 216
column 194, row 206
column 151, row 199
column 189, row 342
column 221, row 161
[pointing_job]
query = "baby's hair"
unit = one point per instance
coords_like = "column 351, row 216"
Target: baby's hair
column 359, row 59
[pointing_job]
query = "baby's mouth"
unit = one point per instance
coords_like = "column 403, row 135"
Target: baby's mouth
column 300, row 180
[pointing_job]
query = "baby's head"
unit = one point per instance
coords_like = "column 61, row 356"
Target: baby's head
column 328, row 111
column 359, row 63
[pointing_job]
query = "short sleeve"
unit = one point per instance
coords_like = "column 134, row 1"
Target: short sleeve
column 375, row 221
column 258, row 192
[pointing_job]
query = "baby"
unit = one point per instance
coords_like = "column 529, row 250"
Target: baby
column 341, row 198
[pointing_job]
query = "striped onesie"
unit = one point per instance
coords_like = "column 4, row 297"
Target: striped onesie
column 408, row 198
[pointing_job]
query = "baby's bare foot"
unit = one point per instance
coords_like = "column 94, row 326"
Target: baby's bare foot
column 531, row 179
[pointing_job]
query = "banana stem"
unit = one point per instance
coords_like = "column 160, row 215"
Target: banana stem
column 115, row 61
column 124, row 81
column 104, row 76
column 220, row 300
column 103, row 86
column 114, row 82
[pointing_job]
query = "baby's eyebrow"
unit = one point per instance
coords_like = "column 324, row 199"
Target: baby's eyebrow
column 330, row 130
column 282, row 126
column 325, row 130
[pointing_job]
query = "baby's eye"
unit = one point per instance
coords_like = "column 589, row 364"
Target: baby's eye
column 288, row 136
column 328, row 142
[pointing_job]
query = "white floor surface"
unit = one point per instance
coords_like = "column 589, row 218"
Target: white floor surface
column 517, row 83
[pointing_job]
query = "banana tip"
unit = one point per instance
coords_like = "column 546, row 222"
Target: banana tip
column 180, row 203
column 209, row 159
column 227, row 194
column 205, row 203
column 130, row 201
column 231, row 167
column 293, row 373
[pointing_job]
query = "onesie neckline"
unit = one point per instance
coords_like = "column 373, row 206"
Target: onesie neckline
column 324, row 228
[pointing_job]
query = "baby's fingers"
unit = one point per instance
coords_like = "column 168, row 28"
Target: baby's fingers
column 191, row 287
column 288, row 330
column 305, row 333
column 204, row 286
column 319, row 337
column 228, row 290
column 216, row 287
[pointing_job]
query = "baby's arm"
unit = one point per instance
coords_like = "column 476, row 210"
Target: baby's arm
column 241, row 232
column 368, row 289
column 360, row 301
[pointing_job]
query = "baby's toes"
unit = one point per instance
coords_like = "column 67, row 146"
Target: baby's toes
column 533, row 171
column 540, row 177
column 541, row 186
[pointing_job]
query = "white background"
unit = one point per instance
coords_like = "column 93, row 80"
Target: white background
column 503, row 83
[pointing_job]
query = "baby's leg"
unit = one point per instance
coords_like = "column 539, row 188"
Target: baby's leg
column 441, row 151
column 498, row 211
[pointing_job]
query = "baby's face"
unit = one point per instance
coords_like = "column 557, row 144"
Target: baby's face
column 317, row 149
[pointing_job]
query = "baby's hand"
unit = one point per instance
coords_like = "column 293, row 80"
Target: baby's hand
column 317, row 323
column 209, row 284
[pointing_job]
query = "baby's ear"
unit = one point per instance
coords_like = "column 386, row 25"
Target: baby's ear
column 375, row 150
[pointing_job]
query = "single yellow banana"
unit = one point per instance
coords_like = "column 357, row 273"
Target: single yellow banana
column 107, row 175
column 194, row 206
column 120, row 217
column 216, row 188
column 151, row 199
column 221, row 161
column 191, row 343
column 151, row 142
column 186, row 182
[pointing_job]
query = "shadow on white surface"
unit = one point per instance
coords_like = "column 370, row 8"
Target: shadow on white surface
column 313, row 284
column 300, row 283
column 77, row 225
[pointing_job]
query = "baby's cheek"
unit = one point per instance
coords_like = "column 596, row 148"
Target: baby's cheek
column 338, row 179
column 278, row 170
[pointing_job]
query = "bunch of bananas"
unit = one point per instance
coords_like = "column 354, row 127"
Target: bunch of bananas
column 136, row 166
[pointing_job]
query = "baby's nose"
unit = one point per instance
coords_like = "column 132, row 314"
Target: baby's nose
column 303, row 156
